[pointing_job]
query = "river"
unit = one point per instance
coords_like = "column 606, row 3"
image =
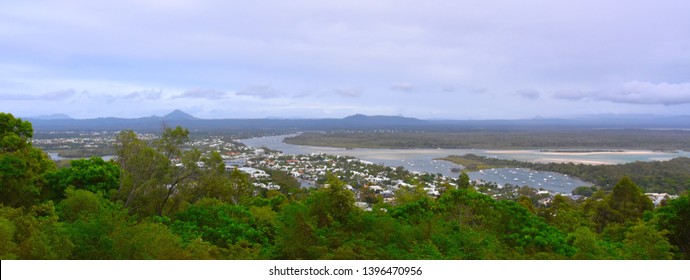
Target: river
column 54, row 156
column 424, row 160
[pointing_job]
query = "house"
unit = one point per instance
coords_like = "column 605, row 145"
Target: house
column 253, row 172
column 657, row 198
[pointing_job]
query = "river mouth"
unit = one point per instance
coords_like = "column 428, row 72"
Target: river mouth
column 425, row 160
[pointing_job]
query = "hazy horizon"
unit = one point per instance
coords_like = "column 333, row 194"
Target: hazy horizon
column 59, row 116
column 314, row 59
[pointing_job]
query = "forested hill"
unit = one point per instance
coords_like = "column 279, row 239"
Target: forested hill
column 672, row 176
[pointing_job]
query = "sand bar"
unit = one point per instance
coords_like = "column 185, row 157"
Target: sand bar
column 576, row 161
column 626, row 152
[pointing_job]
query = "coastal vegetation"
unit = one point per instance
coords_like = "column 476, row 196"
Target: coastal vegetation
column 161, row 201
column 540, row 139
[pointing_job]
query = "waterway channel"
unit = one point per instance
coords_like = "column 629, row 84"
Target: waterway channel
column 425, row 160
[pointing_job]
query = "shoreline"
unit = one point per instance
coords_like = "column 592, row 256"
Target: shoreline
column 574, row 161
column 577, row 152
column 623, row 152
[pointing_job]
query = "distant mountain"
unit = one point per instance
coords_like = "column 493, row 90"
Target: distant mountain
column 382, row 119
column 52, row 117
column 360, row 121
column 178, row 115
column 634, row 121
column 354, row 122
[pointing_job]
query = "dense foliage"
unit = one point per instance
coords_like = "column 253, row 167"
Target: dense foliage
column 158, row 201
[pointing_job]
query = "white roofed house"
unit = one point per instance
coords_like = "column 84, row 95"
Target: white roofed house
column 253, row 172
column 657, row 198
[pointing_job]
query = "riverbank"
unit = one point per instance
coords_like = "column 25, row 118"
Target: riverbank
column 591, row 157
column 588, row 140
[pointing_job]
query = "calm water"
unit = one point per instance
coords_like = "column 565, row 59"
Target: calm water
column 55, row 156
column 537, row 179
column 423, row 160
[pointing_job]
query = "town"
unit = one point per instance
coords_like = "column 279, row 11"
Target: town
column 371, row 183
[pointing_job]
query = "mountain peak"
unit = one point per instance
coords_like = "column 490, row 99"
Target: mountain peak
column 381, row 120
column 378, row 117
column 356, row 116
column 179, row 115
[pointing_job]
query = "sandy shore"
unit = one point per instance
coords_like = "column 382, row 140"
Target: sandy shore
column 636, row 152
column 575, row 161
column 574, row 153
column 512, row 152
column 575, row 156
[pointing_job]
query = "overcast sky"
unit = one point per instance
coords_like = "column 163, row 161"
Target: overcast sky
column 426, row 59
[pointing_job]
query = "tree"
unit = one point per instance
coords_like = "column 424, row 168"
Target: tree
column 406, row 194
column 34, row 232
column 526, row 202
column 674, row 218
column 180, row 175
column 239, row 187
column 15, row 134
column 332, row 203
column 585, row 191
column 147, row 241
column 515, row 225
column 22, row 166
column 629, row 201
column 94, row 174
column 158, row 179
column 644, row 242
column 296, row 237
column 588, row 245
column 142, row 181
column 171, row 141
column 231, row 228
column 625, row 204
column 90, row 219
column 564, row 214
column 464, row 181
column 7, row 245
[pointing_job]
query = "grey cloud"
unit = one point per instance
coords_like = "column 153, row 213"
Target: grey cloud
column 634, row 92
column 202, row 94
column 144, row 94
column 464, row 88
column 11, row 96
column 637, row 92
column 50, row 96
column 405, row 87
column 349, row 92
column 574, row 94
column 529, row 94
column 263, row 92
column 448, row 88
column 476, row 90
column 305, row 93
column 59, row 95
